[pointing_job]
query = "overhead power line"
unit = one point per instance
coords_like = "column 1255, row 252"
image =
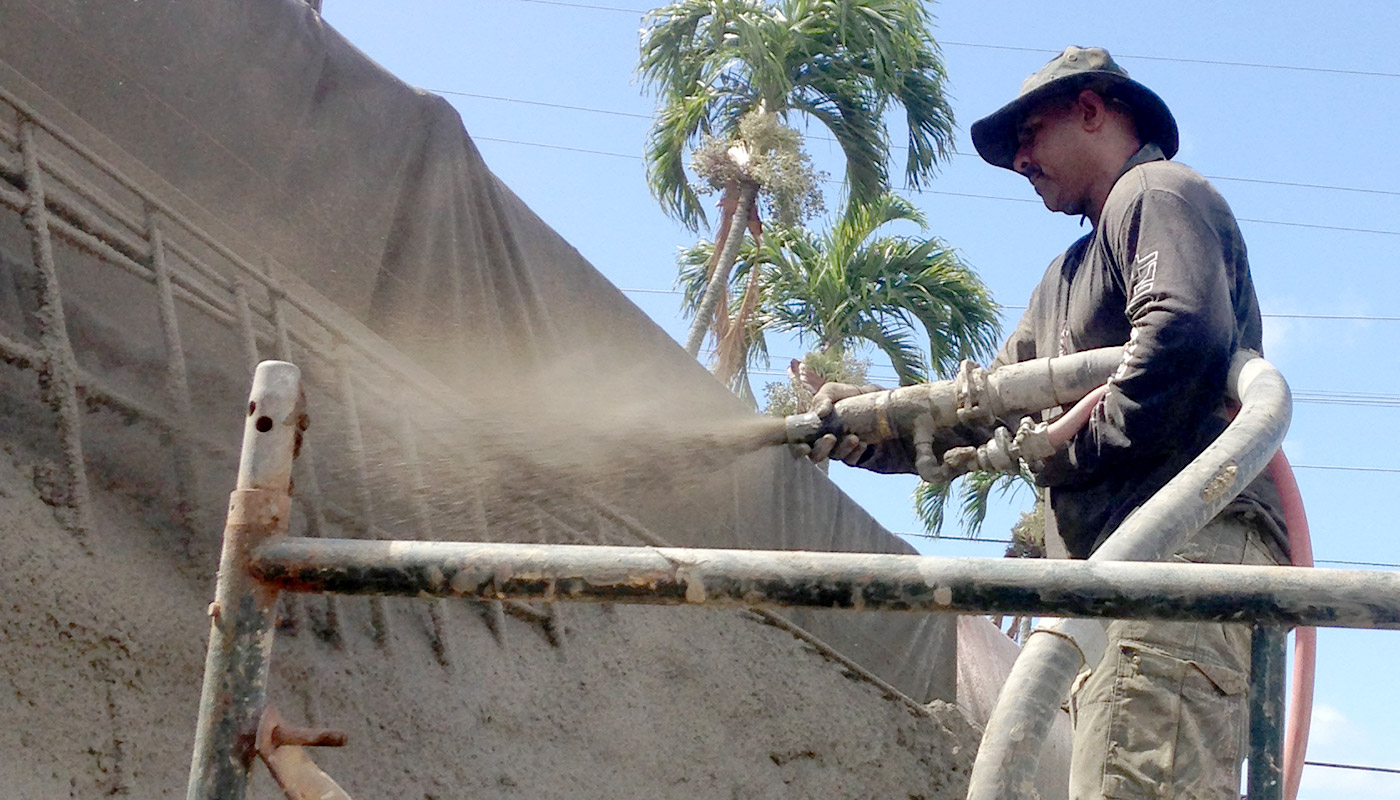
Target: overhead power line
column 585, row 5
column 635, row 115
column 1178, row 60
column 557, row 147
column 972, row 195
column 1011, row 48
column 1351, row 766
column 1266, row 315
column 543, row 104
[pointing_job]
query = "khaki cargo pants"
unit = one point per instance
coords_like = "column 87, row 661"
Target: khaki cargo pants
column 1162, row 715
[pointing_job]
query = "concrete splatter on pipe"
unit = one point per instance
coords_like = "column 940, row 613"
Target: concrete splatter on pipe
column 856, row 581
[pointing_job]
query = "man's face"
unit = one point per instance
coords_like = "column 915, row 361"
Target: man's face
column 1052, row 155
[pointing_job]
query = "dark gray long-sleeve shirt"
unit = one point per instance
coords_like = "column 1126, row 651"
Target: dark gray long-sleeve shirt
column 1164, row 272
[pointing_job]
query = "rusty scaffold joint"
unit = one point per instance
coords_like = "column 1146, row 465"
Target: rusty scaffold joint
column 283, row 749
column 243, row 614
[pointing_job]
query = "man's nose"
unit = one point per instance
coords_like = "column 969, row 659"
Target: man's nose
column 1022, row 162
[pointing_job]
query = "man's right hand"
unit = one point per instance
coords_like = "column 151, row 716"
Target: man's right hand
column 848, row 448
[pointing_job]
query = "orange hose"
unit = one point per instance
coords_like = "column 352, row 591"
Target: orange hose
column 1295, row 741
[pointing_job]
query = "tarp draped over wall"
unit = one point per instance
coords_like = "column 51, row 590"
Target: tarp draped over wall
column 262, row 124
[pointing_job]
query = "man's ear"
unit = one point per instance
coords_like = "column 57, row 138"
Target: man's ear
column 1091, row 110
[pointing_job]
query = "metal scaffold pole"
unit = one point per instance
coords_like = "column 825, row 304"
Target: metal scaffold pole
column 243, row 614
column 1280, row 596
column 1266, row 712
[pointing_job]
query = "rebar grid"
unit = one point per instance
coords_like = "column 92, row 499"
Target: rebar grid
column 58, row 367
column 63, row 189
column 177, row 378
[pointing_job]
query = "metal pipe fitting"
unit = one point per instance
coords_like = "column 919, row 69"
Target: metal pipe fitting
column 1012, row 390
column 282, row 749
column 243, row 615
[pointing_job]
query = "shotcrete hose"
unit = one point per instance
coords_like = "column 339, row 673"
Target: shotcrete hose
column 1022, row 388
column 1009, row 756
column 1295, row 741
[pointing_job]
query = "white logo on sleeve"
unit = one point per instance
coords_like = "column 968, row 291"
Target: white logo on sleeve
column 1143, row 277
column 1144, row 272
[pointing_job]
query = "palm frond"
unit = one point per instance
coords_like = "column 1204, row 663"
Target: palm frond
column 680, row 122
column 896, row 342
column 928, row 115
column 855, row 122
column 860, row 221
column 973, row 492
column 931, row 504
column 693, row 274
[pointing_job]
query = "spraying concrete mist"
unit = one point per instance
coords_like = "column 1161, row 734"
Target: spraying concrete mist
column 522, row 443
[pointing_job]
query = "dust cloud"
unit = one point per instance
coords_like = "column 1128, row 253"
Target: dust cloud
column 531, row 452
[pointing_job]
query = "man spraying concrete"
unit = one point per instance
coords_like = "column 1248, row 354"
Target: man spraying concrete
column 1164, row 273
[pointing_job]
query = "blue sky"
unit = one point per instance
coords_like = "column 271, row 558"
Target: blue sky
column 1289, row 107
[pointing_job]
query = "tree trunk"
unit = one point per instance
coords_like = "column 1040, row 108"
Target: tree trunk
column 719, row 279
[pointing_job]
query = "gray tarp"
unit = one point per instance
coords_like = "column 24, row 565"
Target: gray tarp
column 264, row 126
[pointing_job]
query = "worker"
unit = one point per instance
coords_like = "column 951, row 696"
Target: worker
column 1164, row 272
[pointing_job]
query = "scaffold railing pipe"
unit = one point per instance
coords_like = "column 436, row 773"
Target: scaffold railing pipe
column 855, row 581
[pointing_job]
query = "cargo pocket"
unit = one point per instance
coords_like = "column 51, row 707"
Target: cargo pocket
column 1174, row 729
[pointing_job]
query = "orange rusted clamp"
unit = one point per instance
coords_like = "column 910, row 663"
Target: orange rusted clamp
column 282, row 746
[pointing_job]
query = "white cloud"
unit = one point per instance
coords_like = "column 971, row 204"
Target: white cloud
column 1331, row 728
column 1277, row 339
column 1296, row 450
column 1337, row 739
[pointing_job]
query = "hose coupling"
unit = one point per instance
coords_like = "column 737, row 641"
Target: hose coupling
column 1004, row 452
column 925, row 460
column 974, row 395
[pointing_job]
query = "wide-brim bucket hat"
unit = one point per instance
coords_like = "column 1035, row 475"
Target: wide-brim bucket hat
column 994, row 135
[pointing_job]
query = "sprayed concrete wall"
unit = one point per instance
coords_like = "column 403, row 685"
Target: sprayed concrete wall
column 235, row 182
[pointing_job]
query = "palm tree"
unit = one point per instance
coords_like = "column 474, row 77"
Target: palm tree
column 714, row 63
column 851, row 287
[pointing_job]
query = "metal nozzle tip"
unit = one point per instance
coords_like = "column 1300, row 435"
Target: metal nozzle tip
column 803, row 428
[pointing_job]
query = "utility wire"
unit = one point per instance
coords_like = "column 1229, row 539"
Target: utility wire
column 1168, row 59
column 1176, row 60
column 1356, row 563
column 583, row 5
column 543, row 104
column 1266, row 315
column 634, row 115
column 1351, row 766
column 922, row 191
column 557, row 147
